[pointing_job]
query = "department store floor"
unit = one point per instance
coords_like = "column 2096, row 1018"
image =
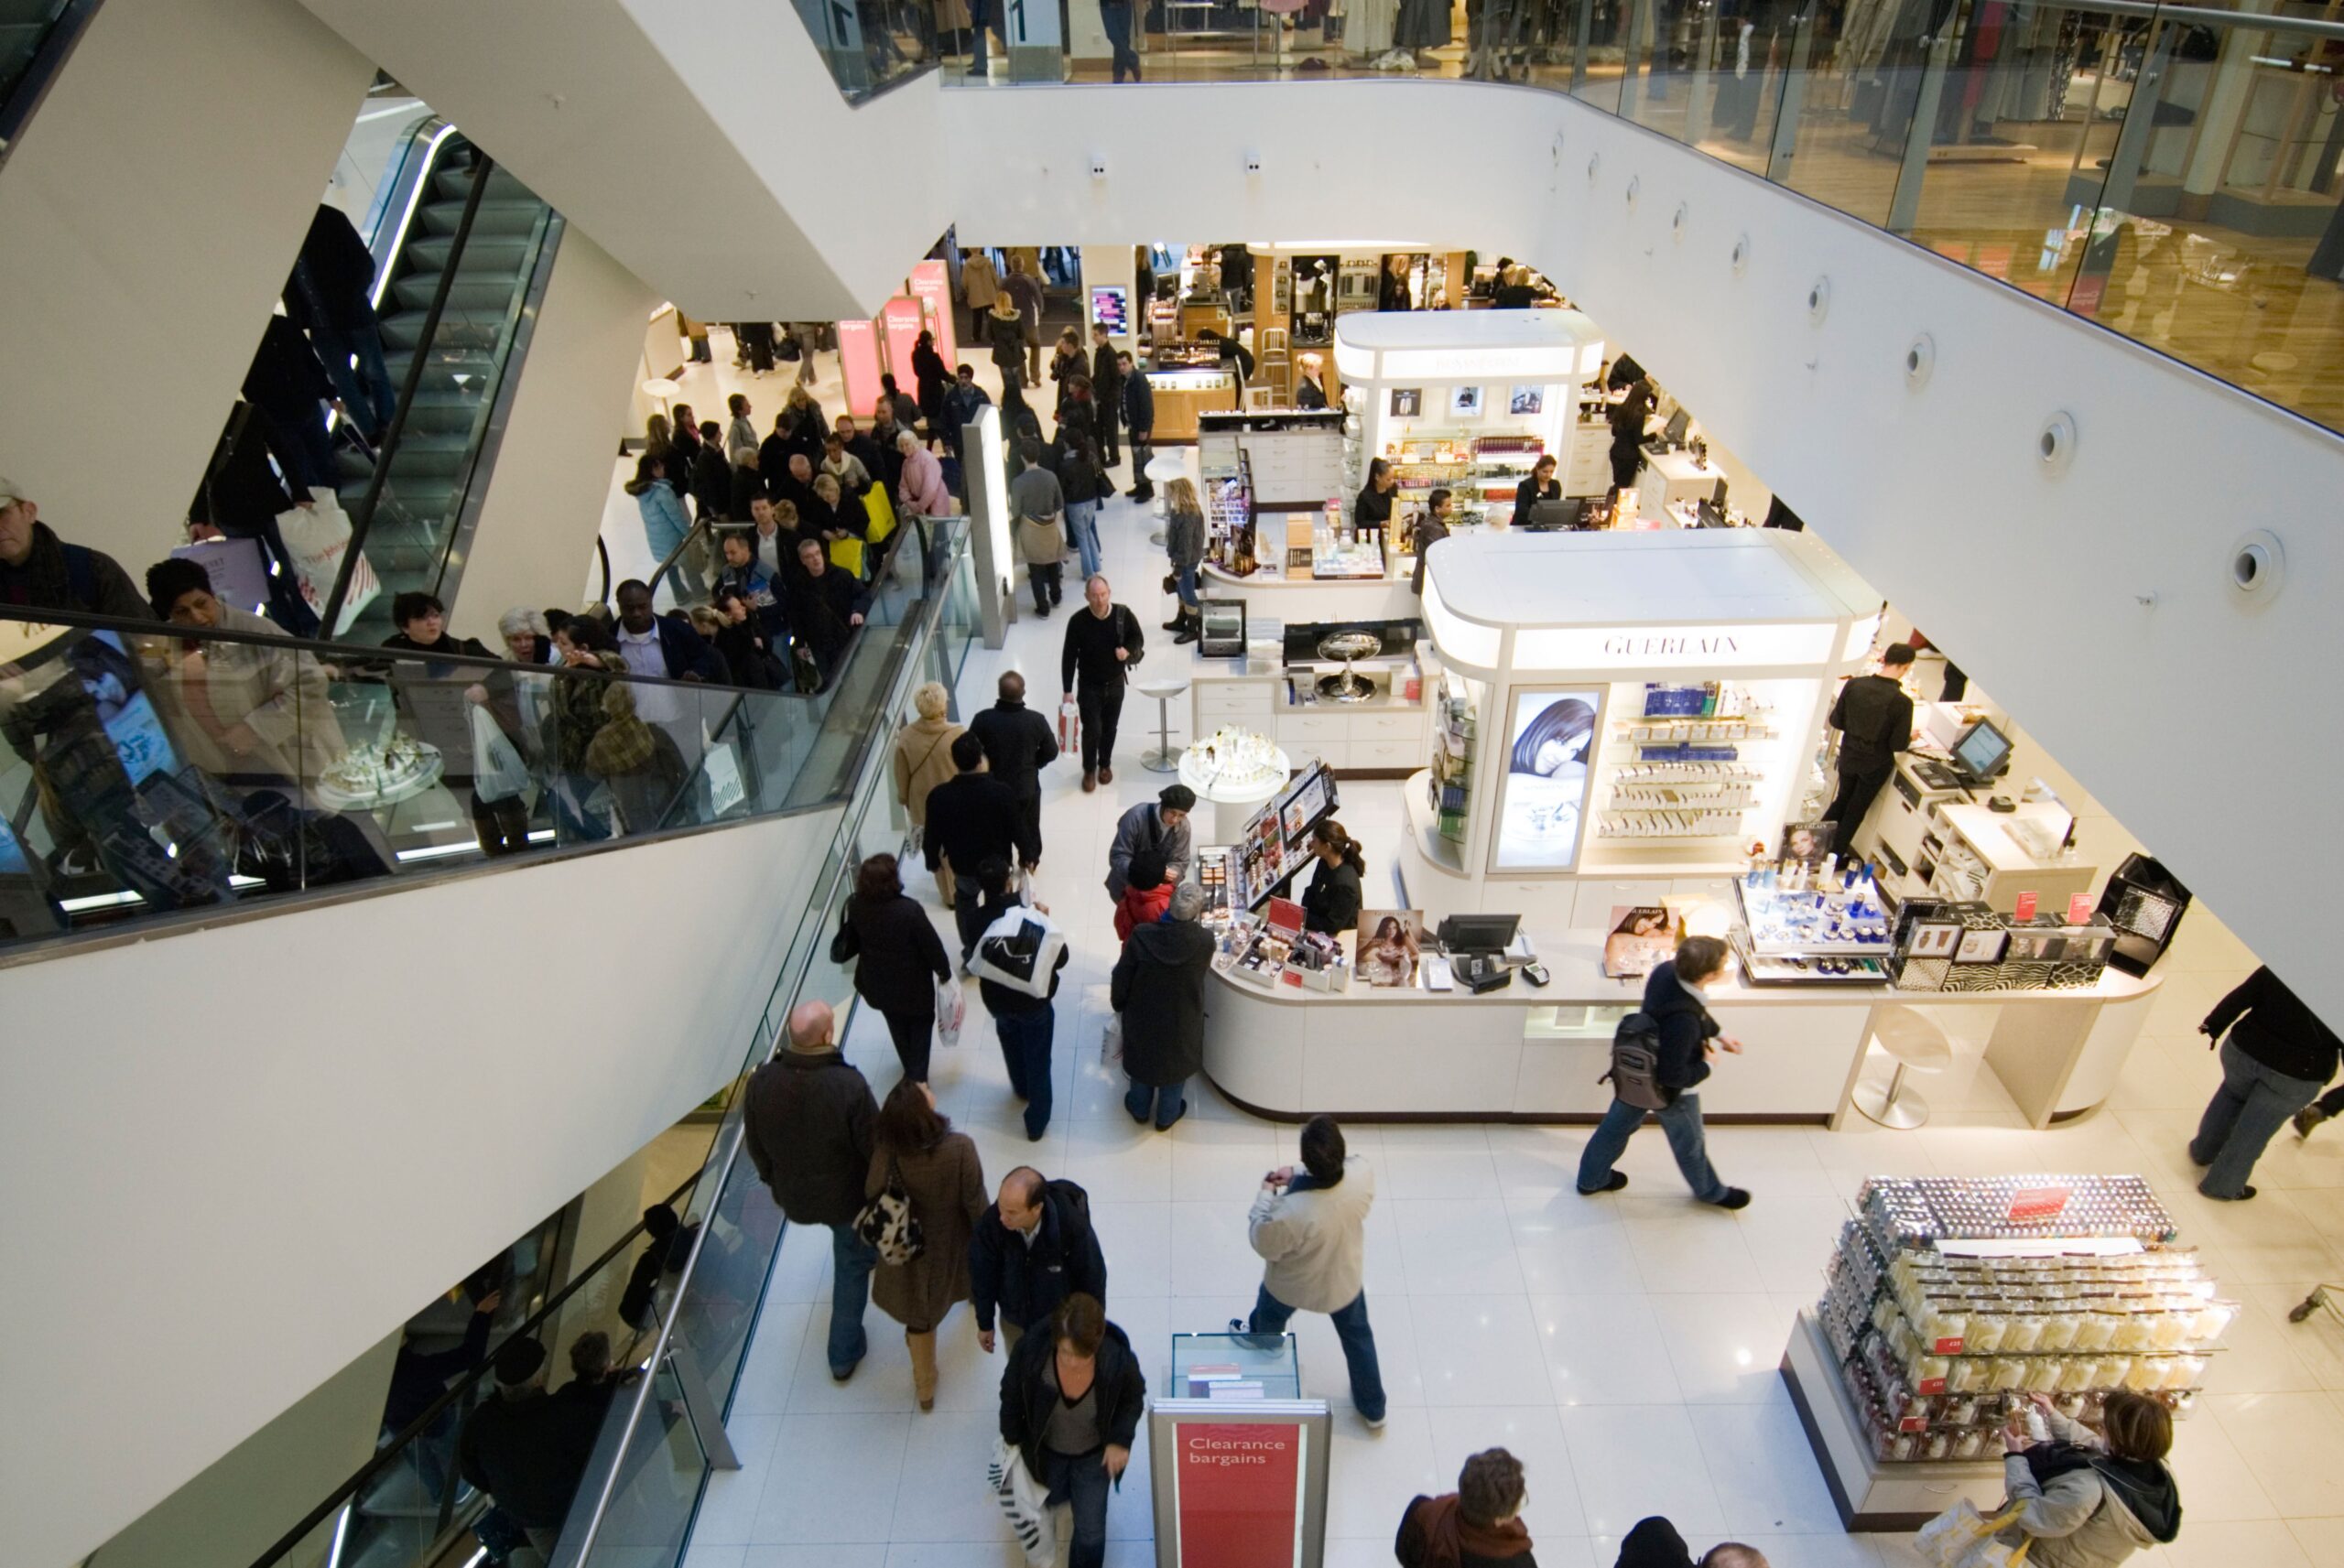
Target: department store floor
column 1625, row 1348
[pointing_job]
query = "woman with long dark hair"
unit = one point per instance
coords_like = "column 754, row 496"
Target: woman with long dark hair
column 898, row 960
column 913, row 1144
column 1331, row 902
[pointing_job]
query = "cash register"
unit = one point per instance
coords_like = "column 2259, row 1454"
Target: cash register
column 1476, row 945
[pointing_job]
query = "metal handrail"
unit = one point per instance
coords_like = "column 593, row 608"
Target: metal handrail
column 363, row 519
column 390, row 1451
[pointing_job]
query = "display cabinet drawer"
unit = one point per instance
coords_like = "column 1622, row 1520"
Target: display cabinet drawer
column 1386, row 754
column 1389, row 725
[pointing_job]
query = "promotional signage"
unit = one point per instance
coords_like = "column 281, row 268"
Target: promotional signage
column 1238, row 1493
column 1111, row 308
column 1707, row 647
column 858, row 365
column 902, row 317
column 932, row 286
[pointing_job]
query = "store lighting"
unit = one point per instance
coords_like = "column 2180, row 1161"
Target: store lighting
column 341, row 1535
column 436, row 852
column 98, row 901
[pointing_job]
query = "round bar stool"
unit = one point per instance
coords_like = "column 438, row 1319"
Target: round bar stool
column 1161, row 757
column 1916, row 1045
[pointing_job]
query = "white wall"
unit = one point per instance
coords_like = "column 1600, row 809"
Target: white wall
column 552, row 476
column 2187, row 717
column 242, row 1150
column 700, row 142
column 149, row 216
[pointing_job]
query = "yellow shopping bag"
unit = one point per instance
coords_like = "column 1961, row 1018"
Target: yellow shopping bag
column 847, row 555
column 1962, row 1538
column 882, row 513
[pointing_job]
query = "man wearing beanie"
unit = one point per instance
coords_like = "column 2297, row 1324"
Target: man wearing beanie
column 1162, row 826
column 528, row 1450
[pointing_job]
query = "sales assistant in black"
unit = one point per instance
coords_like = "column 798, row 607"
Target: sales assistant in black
column 1684, row 1036
column 1330, row 904
column 1874, row 719
column 1033, row 1248
column 1541, row 485
column 1374, row 508
column 1102, row 643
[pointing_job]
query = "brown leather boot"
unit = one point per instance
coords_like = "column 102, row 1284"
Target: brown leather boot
column 923, row 1349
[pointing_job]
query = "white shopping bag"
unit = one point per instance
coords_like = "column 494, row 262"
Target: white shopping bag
column 1069, row 727
column 1962, row 1538
column 951, row 1007
column 1111, row 1041
column 1022, row 1504
column 498, row 772
column 317, row 537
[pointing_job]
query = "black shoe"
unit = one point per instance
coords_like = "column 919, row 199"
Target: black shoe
column 1057, row 596
column 839, row 1377
column 1175, row 623
column 1043, row 610
column 1619, row 1179
column 1188, row 634
column 1734, row 1198
column 1167, row 1126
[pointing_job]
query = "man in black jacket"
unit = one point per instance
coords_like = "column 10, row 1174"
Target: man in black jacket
column 1102, row 642
column 1033, row 1248
column 825, row 606
column 526, row 1449
column 331, row 297
column 1139, row 419
column 2277, row 1056
column 1106, row 390
column 1874, row 719
column 807, row 1125
column 40, row 571
column 1675, row 1003
column 973, row 817
column 1019, row 744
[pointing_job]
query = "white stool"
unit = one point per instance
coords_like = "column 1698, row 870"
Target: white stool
column 1916, row 1045
column 1161, row 757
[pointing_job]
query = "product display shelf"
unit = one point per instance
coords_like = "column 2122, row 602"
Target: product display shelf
column 1948, row 1301
column 1677, row 770
column 1456, row 728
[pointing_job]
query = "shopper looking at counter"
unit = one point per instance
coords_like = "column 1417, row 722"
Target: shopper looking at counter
column 1680, row 1031
column 1159, row 990
column 1184, row 550
column 1874, row 717
column 1162, row 827
column 1431, row 528
column 1331, row 903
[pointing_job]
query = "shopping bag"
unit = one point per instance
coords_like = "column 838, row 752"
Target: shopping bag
column 1111, row 1041
column 317, row 536
column 1024, row 1504
column 1962, row 1538
column 951, row 1007
column 847, row 555
column 498, row 772
column 882, row 513
column 1069, row 726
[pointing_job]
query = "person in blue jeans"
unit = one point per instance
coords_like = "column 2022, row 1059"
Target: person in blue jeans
column 1310, row 1228
column 2277, row 1056
column 1024, row 1015
column 805, row 1121
column 1071, row 1398
column 665, row 523
column 1689, row 1036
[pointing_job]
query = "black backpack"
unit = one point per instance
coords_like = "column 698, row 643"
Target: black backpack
column 1635, row 1076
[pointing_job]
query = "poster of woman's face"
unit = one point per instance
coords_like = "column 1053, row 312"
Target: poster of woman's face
column 1389, row 942
column 1550, row 740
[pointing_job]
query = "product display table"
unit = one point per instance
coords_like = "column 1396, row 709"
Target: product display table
column 1671, row 477
column 1523, row 1054
column 1232, row 801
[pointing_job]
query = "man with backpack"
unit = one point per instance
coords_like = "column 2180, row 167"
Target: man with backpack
column 1034, row 1247
column 1658, row 1057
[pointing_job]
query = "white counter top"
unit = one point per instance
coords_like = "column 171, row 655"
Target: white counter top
column 1983, row 830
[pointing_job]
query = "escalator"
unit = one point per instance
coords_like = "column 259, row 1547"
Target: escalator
column 485, row 277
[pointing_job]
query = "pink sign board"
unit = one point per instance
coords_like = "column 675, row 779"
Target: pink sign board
column 858, row 365
column 932, row 286
column 901, row 318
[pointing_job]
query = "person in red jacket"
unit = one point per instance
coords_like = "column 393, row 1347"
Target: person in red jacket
column 1147, row 892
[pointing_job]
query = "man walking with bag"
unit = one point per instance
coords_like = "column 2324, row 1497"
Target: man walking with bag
column 1018, row 745
column 806, row 1123
column 1102, row 643
column 1034, row 1247
column 1680, row 1029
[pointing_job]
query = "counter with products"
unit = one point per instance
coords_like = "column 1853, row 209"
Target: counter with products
column 1284, row 1048
column 1185, row 391
column 1950, row 1302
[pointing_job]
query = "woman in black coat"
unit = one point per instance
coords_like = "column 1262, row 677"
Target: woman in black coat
column 1158, row 987
column 1628, row 434
column 931, row 378
column 898, row 960
column 1331, row 902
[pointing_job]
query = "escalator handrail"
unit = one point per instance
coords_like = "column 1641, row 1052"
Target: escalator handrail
column 390, row 1451
column 388, row 448
column 56, row 47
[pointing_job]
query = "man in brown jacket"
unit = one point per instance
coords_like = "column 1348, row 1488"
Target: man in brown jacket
column 808, row 1128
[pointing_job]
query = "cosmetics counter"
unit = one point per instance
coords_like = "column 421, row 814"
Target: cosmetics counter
column 1349, row 693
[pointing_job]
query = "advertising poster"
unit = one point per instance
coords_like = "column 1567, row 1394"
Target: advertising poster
column 904, row 322
column 932, row 286
column 1111, row 308
column 1237, row 1494
column 1551, row 737
column 1390, row 942
column 858, row 365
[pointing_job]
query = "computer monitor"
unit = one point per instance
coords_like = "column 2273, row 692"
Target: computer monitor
column 1477, row 932
column 1569, row 512
column 1678, row 423
column 1982, row 751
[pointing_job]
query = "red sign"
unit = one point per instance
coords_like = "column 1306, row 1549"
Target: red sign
column 2027, row 905
column 901, row 317
column 1238, row 1490
column 859, row 366
column 2085, row 296
column 2038, row 1203
column 2079, row 909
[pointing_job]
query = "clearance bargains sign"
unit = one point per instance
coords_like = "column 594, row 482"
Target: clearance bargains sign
column 1237, row 1494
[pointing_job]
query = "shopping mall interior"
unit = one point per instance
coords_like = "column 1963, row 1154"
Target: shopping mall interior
column 559, row 1098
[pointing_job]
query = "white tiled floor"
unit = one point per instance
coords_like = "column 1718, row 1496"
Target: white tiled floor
column 1626, row 1348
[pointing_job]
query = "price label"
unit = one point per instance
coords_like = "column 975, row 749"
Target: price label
column 1951, row 1346
column 2079, row 909
column 1914, row 1423
column 2027, row 905
column 1933, row 1385
column 2037, row 1203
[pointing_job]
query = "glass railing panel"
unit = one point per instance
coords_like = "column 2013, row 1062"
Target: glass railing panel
column 1834, row 111
column 1598, row 44
column 152, row 771
column 2218, row 237
column 870, row 45
column 35, row 36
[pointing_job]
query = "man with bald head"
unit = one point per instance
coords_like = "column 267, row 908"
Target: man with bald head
column 1034, row 1247
column 806, row 1123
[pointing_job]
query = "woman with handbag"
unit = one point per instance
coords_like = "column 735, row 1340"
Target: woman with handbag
column 923, row 759
column 917, row 1158
column 898, row 960
column 1184, row 548
column 2083, row 1500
